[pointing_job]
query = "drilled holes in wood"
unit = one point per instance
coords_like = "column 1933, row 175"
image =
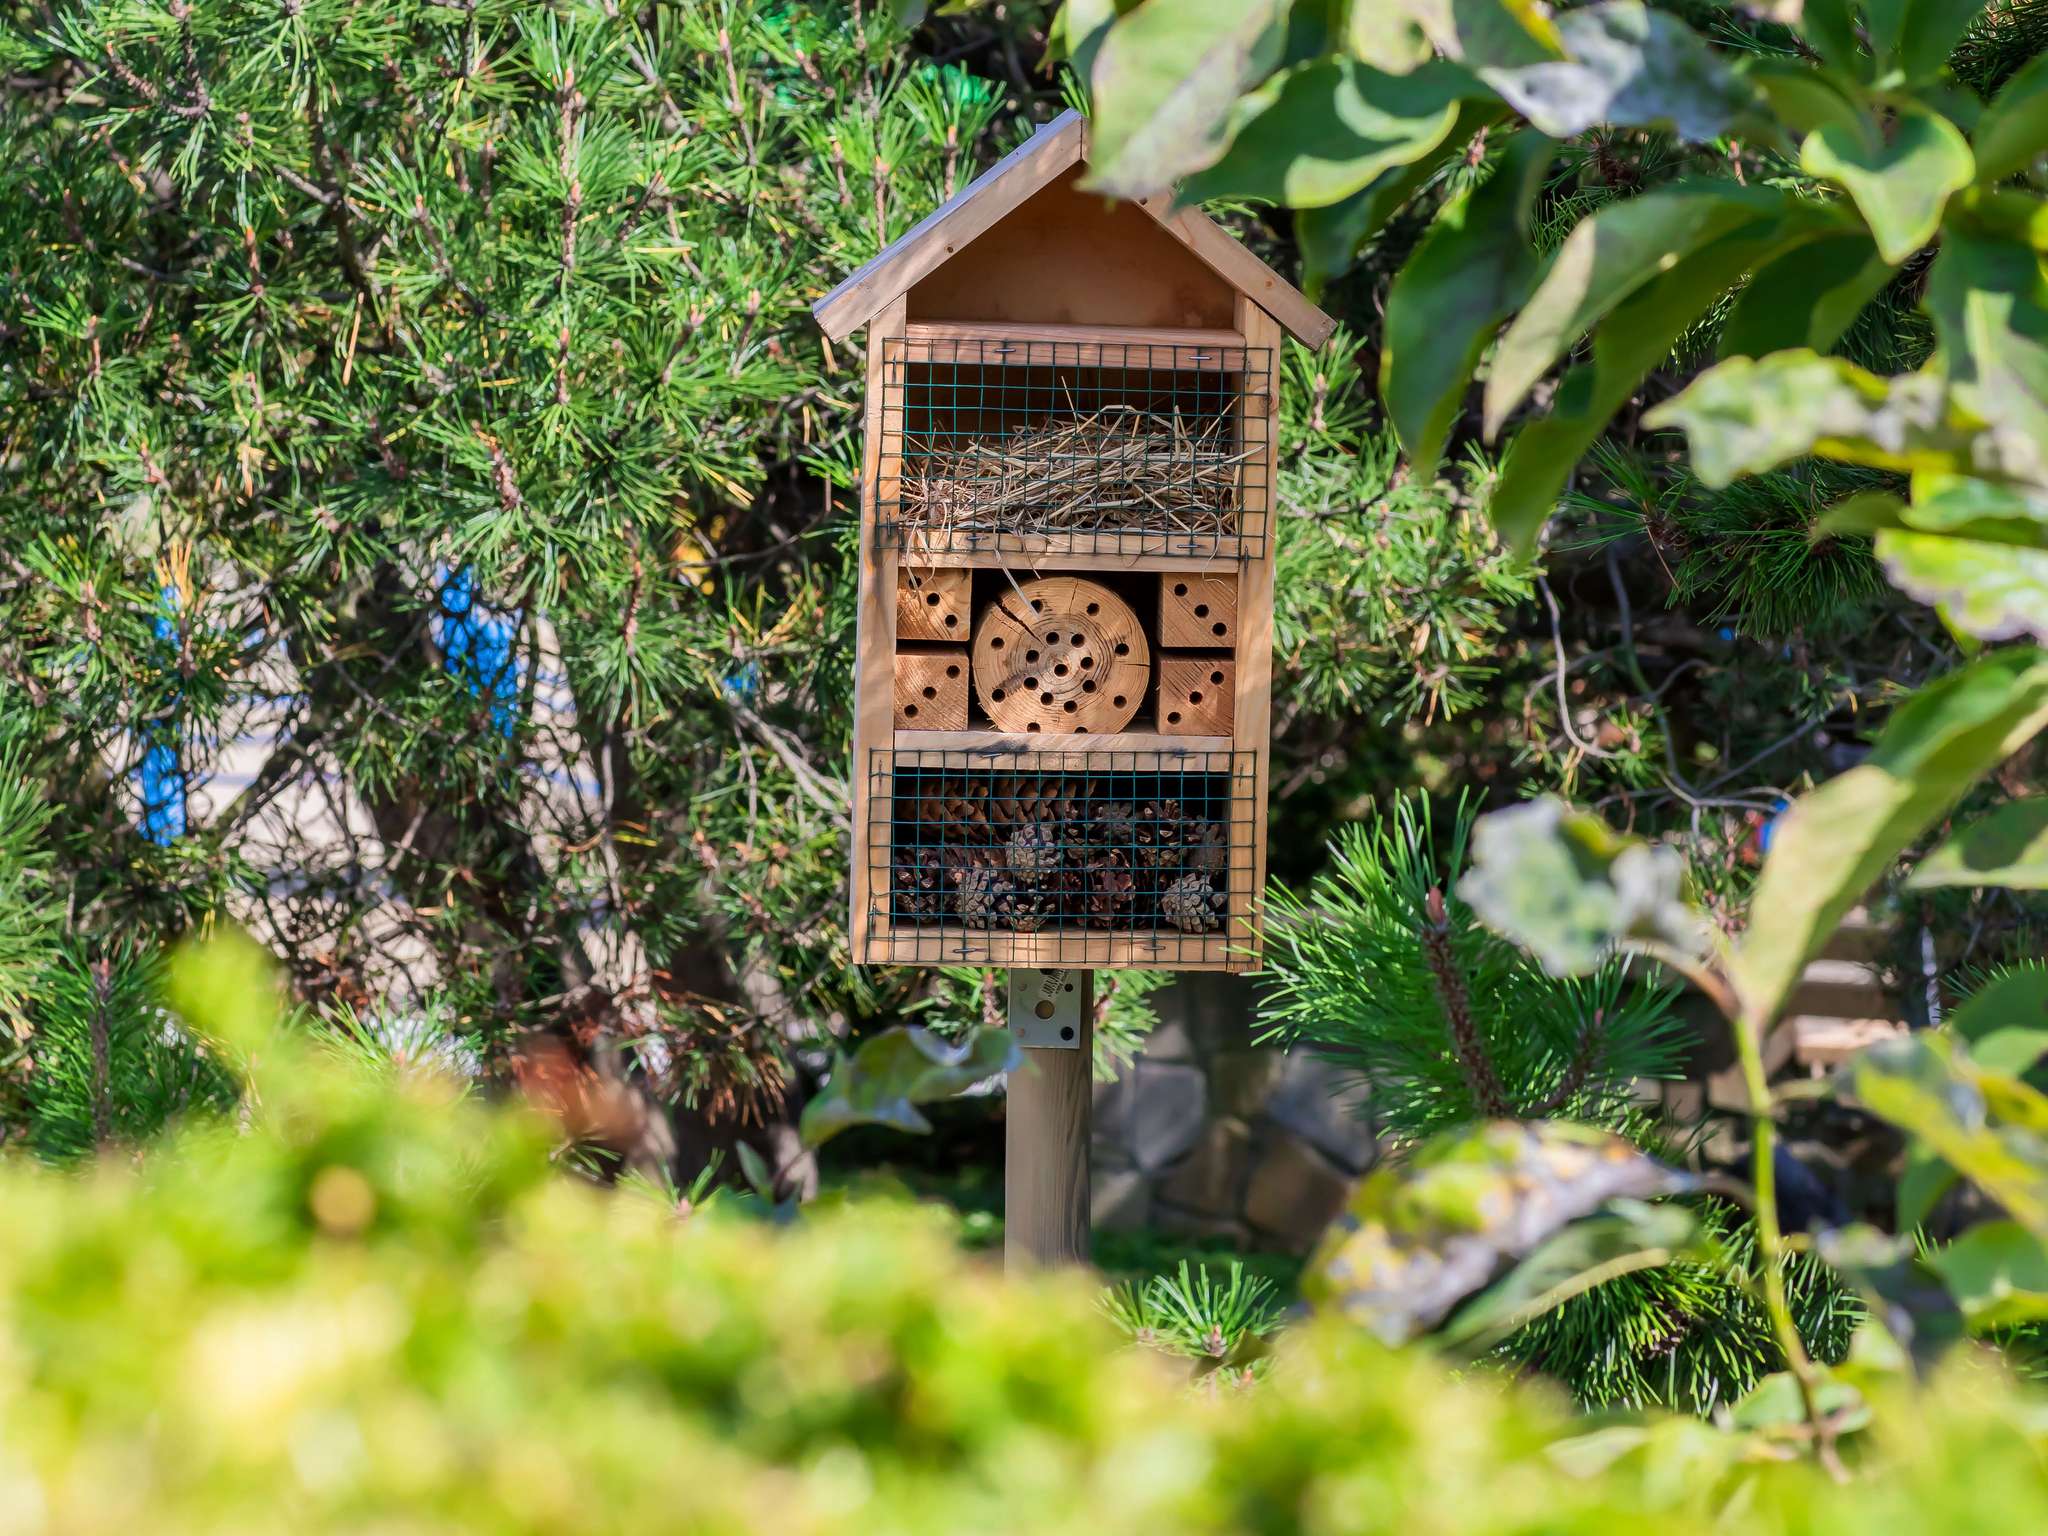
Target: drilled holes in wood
column 1060, row 656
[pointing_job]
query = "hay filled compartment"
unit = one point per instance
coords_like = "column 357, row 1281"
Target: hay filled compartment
column 1059, row 856
column 1017, row 445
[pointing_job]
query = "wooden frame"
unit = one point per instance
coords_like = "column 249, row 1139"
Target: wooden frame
column 883, row 297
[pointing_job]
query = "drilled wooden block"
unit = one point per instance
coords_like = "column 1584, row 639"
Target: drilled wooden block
column 1060, row 655
column 931, row 690
column 1197, row 612
column 933, row 604
column 1195, row 695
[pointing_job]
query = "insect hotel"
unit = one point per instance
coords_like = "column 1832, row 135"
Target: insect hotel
column 1066, row 579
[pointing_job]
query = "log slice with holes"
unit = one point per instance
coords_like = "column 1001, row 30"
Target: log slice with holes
column 1060, row 656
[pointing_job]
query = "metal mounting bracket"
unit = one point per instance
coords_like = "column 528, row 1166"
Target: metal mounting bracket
column 1045, row 1009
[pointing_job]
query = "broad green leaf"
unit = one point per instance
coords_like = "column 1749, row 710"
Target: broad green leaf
column 1744, row 416
column 2005, row 1021
column 1386, row 36
column 890, row 1074
column 2007, row 848
column 1980, row 1123
column 1911, row 1307
column 1924, row 1181
column 1330, row 237
column 1485, row 34
column 1984, row 509
column 1807, row 298
column 1998, row 1272
column 2013, row 132
column 1077, row 31
column 1623, row 247
column 1801, row 98
column 1835, row 842
column 1568, row 888
column 1166, row 79
column 1987, row 590
column 1776, row 1403
column 1830, row 26
column 1988, row 298
column 1628, row 66
column 1326, row 130
column 1426, row 1231
column 1899, row 180
column 1928, row 33
column 1471, row 271
column 1627, row 1236
column 1635, row 338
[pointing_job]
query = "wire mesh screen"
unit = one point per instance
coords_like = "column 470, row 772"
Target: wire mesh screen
column 1028, row 447
column 1083, row 848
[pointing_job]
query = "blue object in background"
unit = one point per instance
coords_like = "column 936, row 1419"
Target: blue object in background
column 160, row 779
column 476, row 644
column 1769, row 829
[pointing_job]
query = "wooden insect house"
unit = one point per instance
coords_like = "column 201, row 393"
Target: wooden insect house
column 1066, row 582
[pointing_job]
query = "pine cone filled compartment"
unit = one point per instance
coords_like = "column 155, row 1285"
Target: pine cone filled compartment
column 1070, row 848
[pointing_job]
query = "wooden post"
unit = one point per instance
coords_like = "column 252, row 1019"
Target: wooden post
column 1045, row 1143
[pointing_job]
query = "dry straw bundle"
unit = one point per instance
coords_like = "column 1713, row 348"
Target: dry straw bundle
column 1117, row 467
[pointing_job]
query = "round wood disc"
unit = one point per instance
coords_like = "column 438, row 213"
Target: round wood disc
column 1060, row 656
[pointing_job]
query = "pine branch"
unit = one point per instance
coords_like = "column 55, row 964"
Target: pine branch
column 1457, row 1002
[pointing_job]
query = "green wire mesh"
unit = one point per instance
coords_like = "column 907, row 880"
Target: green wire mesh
column 1084, row 846
column 1077, row 447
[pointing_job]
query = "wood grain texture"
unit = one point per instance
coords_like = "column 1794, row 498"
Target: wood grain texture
column 934, row 604
column 1197, row 695
column 874, row 645
column 1110, row 750
column 868, row 292
column 1045, row 1150
column 1068, row 257
column 1275, row 297
column 1253, row 706
column 931, row 690
column 1197, row 612
column 1164, row 950
column 1060, row 656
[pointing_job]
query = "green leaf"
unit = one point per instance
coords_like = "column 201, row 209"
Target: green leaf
column 1077, row 32
column 1983, row 1124
column 1328, row 129
column 1471, row 271
column 1568, row 888
column 1988, row 298
column 1636, row 337
column 1424, row 1232
column 2013, row 132
column 1807, row 298
column 1744, row 416
column 2016, row 999
column 1777, row 1403
column 883, row 1081
column 1988, row 590
column 1166, row 79
column 1901, row 181
column 1924, row 1181
column 1997, row 1272
column 1608, row 257
column 1928, row 34
column 2008, row 848
column 1627, row 1236
column 1628, row 66
column 1830, row 26
column 1479, row 33
column 1331, row 237
column 1800, row 98
column 1835, row 842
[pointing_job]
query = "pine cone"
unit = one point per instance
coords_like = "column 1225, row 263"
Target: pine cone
column 1208, row 848
column 1110, row 891
column 1160, row 835
column 1026, row 908
column 919, row 887
column 1034, row 851
column 981, row 896
column 1192, row 904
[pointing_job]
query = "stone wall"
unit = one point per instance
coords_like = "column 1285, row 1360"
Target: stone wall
column 1213, row 1136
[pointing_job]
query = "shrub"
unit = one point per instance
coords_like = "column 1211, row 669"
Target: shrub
column 379, row 1307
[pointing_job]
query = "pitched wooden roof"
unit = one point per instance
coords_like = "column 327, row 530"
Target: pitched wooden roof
column 1011, row 181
